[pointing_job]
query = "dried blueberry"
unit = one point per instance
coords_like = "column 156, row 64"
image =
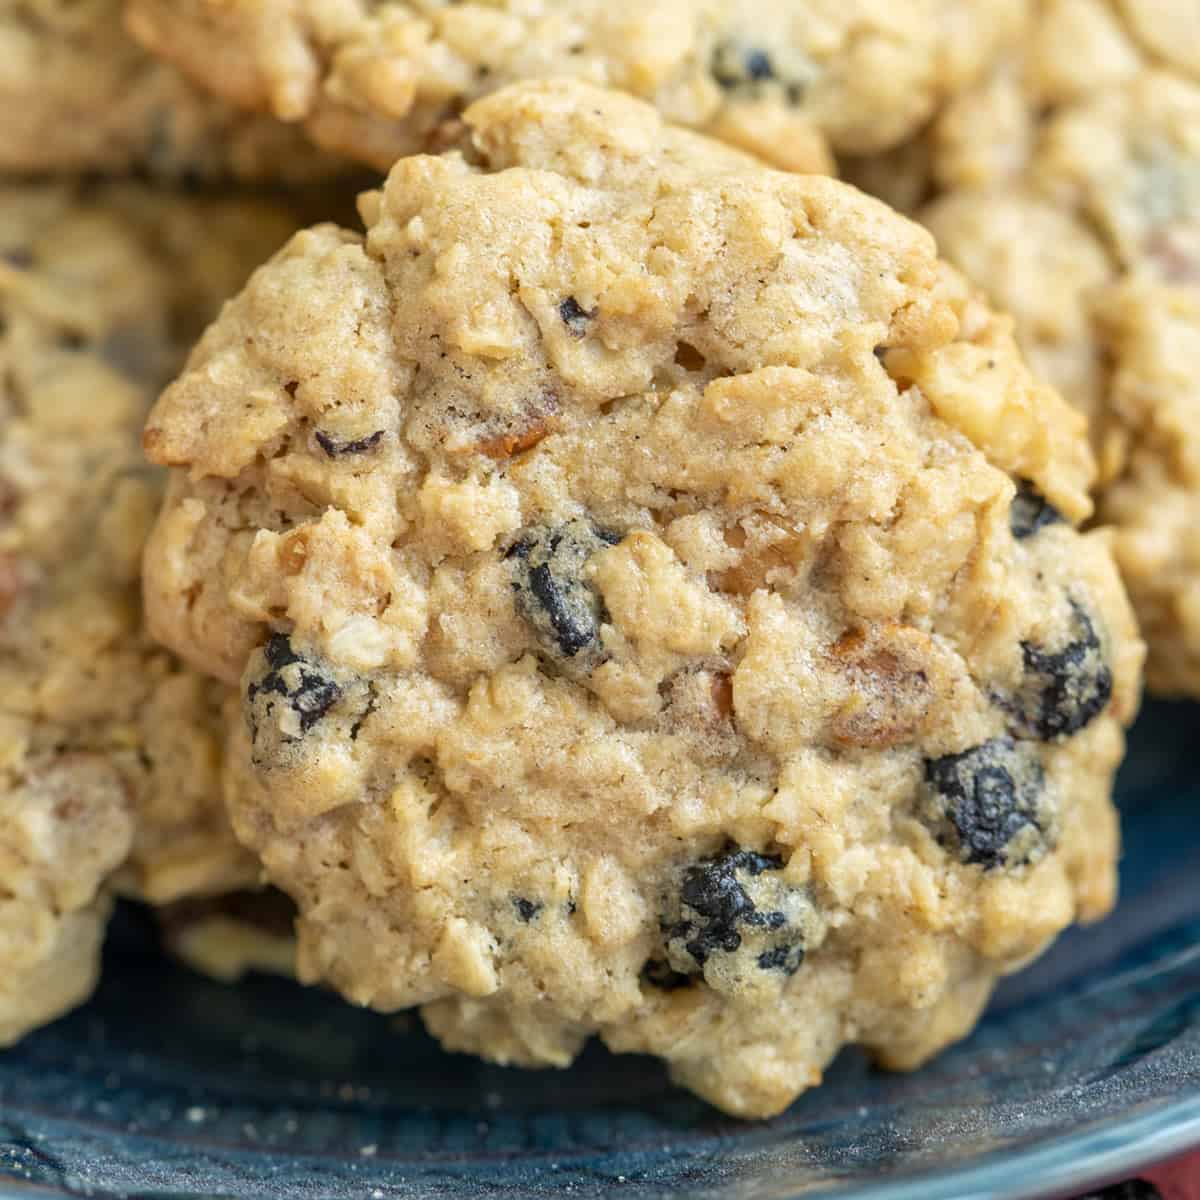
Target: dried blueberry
column 989, row 804
column 574, row 316
column 526, row 909
column 1061, row 690
column 1031, row 512
column 740, row 66
column 300, row 683
column 737, row 915
column 719, row 902
column 334, row 448
column 564, row 609
column 734, row 65
column 781, row 958
column 757, row 65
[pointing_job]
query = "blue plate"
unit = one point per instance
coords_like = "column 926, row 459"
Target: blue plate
column 1086, row 1067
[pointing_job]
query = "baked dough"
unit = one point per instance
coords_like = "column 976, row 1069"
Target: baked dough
column 78, row 94
column 654, row 588
column 378, row 80
column 109, row 749
column 1067, row 185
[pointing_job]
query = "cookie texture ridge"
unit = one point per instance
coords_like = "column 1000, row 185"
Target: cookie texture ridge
column 78, row 94
column 379, row 80
column 109, row 749
column 655, row 591
column 1067, row 185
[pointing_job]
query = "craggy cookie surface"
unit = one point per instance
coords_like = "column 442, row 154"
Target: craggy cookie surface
column 658, row 610
column 376, row 80
column 109, row 750
column 1068, row 186
column 78, row 94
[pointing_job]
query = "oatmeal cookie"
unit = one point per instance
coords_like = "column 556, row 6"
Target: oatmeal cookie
column 988, row 131
column 377, row 80
column 1112, row 193
column 109, row 750
column 659, row 613
column 1068, row 186
column 78, row 94
column 1152, row 333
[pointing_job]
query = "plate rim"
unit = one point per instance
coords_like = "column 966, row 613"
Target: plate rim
column 1111, row 1150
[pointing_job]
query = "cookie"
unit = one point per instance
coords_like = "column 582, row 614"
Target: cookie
column 376, row 81
column 1153, row 502
column 1166, row 30
column 228, row 936
column 989, row 132
column 659, row 613
column 1041, row 264
column 109, row 749
column 1068, row 186
column 78, row 94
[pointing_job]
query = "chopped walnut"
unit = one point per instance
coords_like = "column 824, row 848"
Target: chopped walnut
column 888, row 669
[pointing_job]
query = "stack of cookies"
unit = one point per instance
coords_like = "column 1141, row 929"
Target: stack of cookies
column 626, row 583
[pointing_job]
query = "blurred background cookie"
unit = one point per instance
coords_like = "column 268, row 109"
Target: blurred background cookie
column 1067, row 184
column 77, row 94
column 785, row 80
column 109, row 749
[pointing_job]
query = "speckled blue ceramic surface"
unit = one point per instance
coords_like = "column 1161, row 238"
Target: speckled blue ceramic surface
column 1086, row 1067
